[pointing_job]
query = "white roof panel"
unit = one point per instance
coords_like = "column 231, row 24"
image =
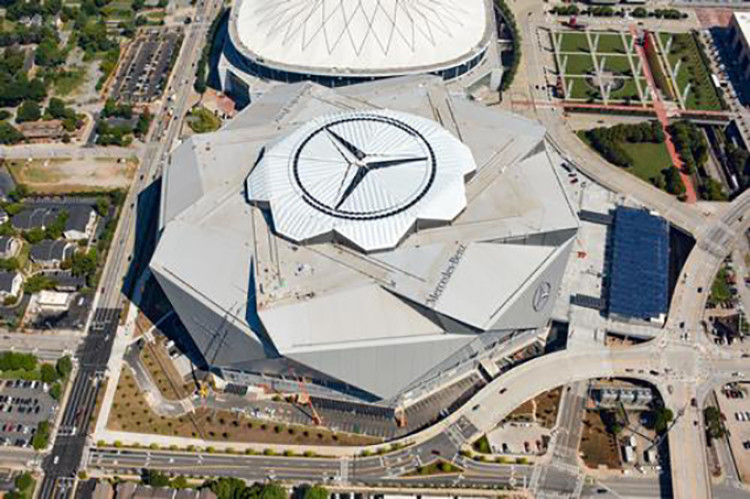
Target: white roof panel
column 360, row 36
column 367, row 176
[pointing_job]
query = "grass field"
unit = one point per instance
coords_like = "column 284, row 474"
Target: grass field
column 581, row 89
column 574, row 42
column 702, row 95
column 69, row 82
column 119, row 10
column 720, row 290
column 578, row 64
column 616, row 64
column 628, row 91
column 611, row 44
column 611, row 52
column 608, row 43
column 649, row 159
column 58, row 176
column 130, row 412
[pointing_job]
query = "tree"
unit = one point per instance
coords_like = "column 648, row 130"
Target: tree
column 38, row 282
column 49, row 373
column 102, row 205
column 56, row 229
column 227, row 488
column 84, row 263
column 179, row 482
column 28, row 111
column 55, row 391
column 9, row 134
column 662, row 418
column 64, row 366
column 315, row 492
column 24, row 481
column 714, row 424
column 34, row 235
column 48, row 54
column 144, row 122
column 155, row 478
column 41, row 437
column 11, row 361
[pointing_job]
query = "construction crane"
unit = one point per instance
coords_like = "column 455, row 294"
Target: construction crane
column 303, row 398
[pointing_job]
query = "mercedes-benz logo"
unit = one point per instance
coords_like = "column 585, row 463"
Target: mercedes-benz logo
column 541, row 296
column 364, row 167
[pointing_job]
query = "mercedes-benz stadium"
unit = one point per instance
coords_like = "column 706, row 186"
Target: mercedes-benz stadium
column 376, row 240
column 338, row 42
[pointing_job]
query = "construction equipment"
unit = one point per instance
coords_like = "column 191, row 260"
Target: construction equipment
column 303, row 398
column 203, row 389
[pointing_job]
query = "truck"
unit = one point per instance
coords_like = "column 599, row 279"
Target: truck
column 629, row 454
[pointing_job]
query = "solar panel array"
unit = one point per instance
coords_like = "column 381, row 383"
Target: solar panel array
column 640, row 265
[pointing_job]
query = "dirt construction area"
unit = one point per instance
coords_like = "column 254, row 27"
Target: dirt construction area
column 58, row 176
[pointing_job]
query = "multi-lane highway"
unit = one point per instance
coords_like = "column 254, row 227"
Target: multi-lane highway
column 61, row 465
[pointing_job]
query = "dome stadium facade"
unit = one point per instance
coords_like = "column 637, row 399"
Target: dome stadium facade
column 335, row 42
column 377, row 240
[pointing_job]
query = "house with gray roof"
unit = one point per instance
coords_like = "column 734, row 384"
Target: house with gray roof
column 50, row 254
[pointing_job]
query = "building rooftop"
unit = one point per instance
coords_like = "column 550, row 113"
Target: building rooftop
column 403, row 169
column 6, row 280
column 640, row 265
column 51, row 251
column 355, row 37
column 355, row 307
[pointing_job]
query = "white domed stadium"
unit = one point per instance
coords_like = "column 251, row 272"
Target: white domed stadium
column 377, row 240
column 338, row 42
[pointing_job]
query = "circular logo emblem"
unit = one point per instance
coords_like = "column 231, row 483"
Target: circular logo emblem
column 542, row 296
column 363, row 167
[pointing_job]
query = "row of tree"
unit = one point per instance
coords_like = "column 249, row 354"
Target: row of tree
column 691, row 145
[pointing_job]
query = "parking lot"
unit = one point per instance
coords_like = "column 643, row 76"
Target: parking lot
column 734, row 404
column 145, row 68
column 23, row 405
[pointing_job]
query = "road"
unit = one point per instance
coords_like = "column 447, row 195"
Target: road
column 46, row 346
column 62, row 464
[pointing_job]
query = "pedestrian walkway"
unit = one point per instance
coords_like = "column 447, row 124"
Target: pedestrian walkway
column 662, row 116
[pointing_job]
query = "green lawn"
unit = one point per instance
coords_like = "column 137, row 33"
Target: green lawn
column 611, row 43
column 121, row 10
column 616, row 64
column 67, row 83
column 649, row 159
column 628, row 91
column 720, row 290
column 702, row 95
column 577, row 64
column 574, row 42
column 581, row 89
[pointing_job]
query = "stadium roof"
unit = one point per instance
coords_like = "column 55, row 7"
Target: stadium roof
column 249, row 293
column 360, row 36
column 640, row 265
column 367, row 176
